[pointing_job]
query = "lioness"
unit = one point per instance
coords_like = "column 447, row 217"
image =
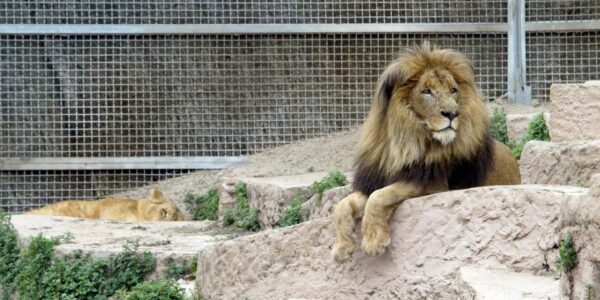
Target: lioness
column 157, row 208
column 427, row 131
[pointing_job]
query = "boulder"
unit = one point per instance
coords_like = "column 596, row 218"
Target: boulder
column 569, row 163
column 575, row 110
column 434, row 236
column 270, row 195
column 478, row 283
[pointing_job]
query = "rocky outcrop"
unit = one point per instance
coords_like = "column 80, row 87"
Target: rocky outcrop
column 568, row 163
column 272, row 196
column 575, row 110
column 514, row 227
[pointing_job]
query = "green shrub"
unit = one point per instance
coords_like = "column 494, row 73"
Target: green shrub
column 567, row 259
column 165, row 289
column 203, row 207
column 243, row 216
column 516, row 148
column 293, row 214
column 9, row 256
column 334, row 179
column 176, row 270
column 499, row 131
column 34, row 261
column 537, row 129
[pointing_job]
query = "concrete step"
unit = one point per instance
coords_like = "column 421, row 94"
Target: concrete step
column 478, row 283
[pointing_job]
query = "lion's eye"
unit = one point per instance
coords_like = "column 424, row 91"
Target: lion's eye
column 163, row 213
column 453, row 90
column 426, row 92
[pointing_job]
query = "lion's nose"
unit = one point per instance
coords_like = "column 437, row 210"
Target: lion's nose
column 450, row 114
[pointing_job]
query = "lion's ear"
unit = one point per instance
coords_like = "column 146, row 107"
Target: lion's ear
column 156, row 196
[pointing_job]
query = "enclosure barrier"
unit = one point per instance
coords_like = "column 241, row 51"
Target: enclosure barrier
column 98, row 97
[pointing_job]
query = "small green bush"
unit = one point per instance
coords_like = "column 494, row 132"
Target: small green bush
column 334, row 179
column 243, row 216
column 499, row 131
column 9, row 256
column 293, row 214
column 203, row 207
column 177, row 270
column 567, row 259
column 165, row 289
column 537, row 129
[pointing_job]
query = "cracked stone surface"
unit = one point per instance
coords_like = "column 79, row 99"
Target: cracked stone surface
column 513, row 227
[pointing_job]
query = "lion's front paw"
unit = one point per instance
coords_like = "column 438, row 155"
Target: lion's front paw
column 376, row 236
column 342, row 251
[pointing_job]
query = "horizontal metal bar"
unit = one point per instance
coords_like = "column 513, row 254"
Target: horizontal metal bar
column 250, row 28
column 562, row 26
column 119, row 163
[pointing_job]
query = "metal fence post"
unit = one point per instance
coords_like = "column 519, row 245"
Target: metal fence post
column 518, row 90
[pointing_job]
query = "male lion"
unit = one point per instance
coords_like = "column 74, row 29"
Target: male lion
column 157, row 208
column 428, row 131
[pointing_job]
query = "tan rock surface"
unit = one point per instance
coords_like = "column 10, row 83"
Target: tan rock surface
column 575, row 110
column 559, row 163
column 432, row 237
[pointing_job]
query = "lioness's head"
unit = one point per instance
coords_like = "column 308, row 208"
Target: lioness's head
column 159, row 208
column 433, row 92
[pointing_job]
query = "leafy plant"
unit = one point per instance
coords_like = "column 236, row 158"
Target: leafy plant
column 165, row 289
column 176, row 270
column 537, row 129
column 580, row 183
column 589, row 291
column 499, row 131
column 9, row 255
column 243, row 216
column 293, row 214
column 567, row 259
column 334, row 179
column 203, row 207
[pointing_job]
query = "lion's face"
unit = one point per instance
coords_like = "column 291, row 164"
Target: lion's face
column 435, row 100
column 159, row 208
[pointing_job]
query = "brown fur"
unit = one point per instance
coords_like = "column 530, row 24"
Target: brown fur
column 157, row 208
column 427, row 131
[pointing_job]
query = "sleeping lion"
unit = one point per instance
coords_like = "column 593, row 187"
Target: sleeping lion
column 157, row 208
column 427, row 131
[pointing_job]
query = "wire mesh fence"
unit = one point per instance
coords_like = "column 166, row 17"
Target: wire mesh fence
column 82, row 95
